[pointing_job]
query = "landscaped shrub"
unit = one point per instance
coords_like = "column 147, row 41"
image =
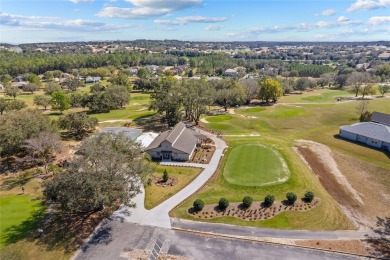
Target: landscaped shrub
column 247, row 201
column 165, row 176
column 291, row 197
column 269, row 200
column 223, row 203
column 309, row 196
column 198, row 205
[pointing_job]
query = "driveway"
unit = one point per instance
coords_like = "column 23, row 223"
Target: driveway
column 158, row 216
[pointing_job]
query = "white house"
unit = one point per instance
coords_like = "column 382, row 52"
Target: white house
column 370, row 133
column 92, row 79
column 176, row 144
column 231, row 72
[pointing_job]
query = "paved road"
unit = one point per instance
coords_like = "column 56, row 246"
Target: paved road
column 158, row 216
column 267, row 232
column 115, row 238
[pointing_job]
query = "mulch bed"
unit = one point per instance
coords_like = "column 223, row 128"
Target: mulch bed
column 255, row 212
column 158, row 181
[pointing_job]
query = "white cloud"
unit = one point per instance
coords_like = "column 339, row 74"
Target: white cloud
column 213, row 27
column 342, row 19
column 170, row 5
column 82, row 1
column 131, row 13
column 144, row 9
column 324, row 24
column 368, row 5
column 378, row 20
column 54, row 23
column 327, row 12
column 191, row 19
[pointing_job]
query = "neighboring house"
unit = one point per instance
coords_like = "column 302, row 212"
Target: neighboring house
column 133, row 70
column 92, row 79
column 18, row 79
column 19, row 85
column 176, row 144
column 131, row 133
column 231, row 72
column 152, row 68
column 384, row 56
column 380, row 118
column 369, row 133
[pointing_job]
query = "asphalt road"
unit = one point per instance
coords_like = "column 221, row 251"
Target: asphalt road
column 268, row 232
column 116, row 237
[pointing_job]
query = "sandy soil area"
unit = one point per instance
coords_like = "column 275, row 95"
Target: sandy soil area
column 346, row 246
column 361, row 189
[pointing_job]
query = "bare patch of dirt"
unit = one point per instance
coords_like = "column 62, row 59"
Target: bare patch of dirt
column 346, row 246
column 372, row 182
column 257, row 211
column 363, row 191
column 324, row 154
column 172, row 181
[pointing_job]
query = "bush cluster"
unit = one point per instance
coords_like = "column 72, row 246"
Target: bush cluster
column 223, row 203
column 247, row 201
column 198, row 205
column 269, row 200
column 291, row 197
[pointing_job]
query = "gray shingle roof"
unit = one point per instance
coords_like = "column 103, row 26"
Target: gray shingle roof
column 369, row 129
column 131, row 133
column 180, row 137
column 380, row 118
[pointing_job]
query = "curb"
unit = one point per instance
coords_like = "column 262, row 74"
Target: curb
column 262, row 240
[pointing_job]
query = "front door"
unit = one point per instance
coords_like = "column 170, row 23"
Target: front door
column 166, row 156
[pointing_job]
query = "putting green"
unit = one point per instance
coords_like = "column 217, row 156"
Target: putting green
column 255, row 165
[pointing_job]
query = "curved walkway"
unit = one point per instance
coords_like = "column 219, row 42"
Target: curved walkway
column 158, row 216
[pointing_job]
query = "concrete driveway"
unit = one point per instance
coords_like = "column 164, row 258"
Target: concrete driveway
column 158, row 216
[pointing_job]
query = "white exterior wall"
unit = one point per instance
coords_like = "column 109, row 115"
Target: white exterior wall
column 374, row 143
column 166, row 146
column 348, row 135
column 386, row 146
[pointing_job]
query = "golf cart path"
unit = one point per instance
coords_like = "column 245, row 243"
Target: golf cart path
column 158, row 216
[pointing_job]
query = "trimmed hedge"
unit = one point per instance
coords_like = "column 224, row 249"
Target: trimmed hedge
column 198, row 205
column 247, row 201
column 309, row 196
column 269, row 200
column 291, row 197
column 223, row 203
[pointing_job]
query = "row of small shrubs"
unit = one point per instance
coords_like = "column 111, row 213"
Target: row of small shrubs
column 247, row 201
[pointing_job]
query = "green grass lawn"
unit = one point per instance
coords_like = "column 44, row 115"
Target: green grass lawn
column 279, row 126
column 15, row 212
column 255, row 165
column 154, row 194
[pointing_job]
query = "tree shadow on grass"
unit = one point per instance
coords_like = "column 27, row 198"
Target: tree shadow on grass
column 380, row 242
column 67, row 231
column 60, row 231
column 26, row 229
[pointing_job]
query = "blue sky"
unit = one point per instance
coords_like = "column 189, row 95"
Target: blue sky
column 199, row 20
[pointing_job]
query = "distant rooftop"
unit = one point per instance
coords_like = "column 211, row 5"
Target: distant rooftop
column 380, row 118
column 131, row 133
column 369, row 129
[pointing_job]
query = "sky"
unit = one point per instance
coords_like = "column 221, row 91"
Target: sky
column 194, row 20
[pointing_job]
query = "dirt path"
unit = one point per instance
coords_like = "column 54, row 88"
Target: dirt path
column 326, row 161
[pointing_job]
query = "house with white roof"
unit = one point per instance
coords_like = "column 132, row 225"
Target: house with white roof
column 375, row 133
